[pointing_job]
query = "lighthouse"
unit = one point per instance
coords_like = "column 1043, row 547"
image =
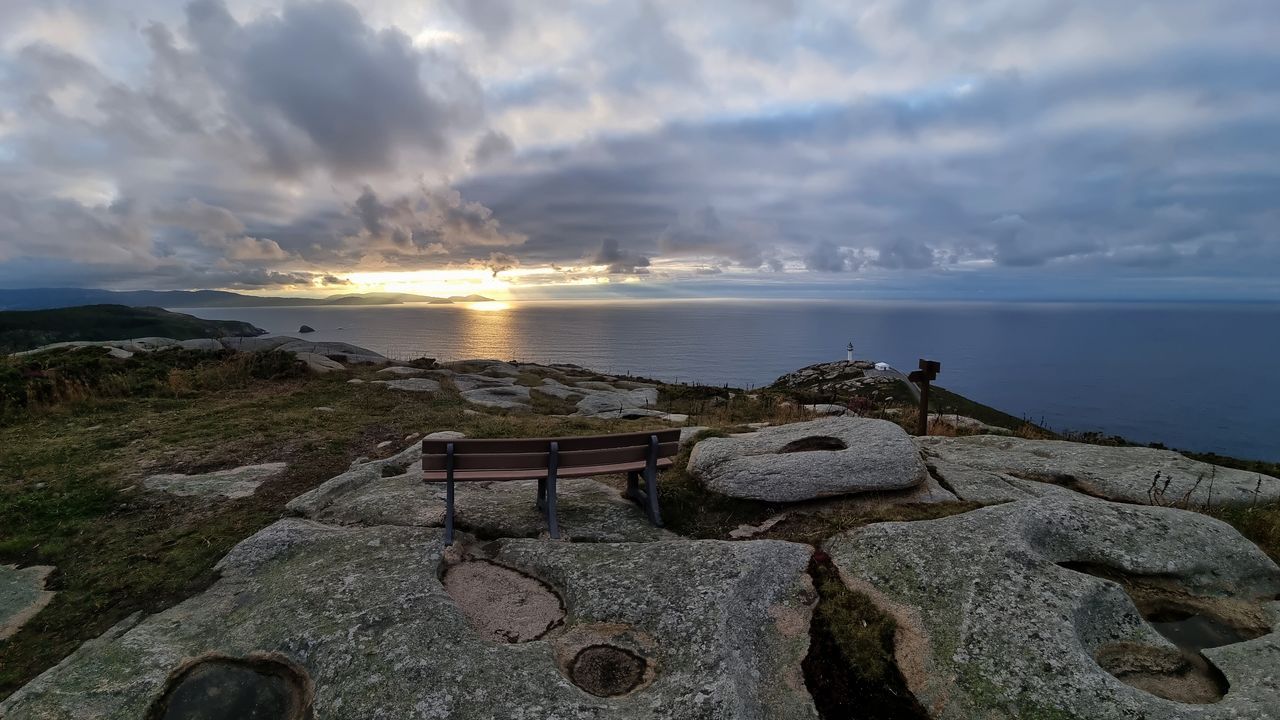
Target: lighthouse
column 849, row 357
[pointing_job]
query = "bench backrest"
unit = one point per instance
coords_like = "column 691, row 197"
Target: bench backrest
column 532, row 453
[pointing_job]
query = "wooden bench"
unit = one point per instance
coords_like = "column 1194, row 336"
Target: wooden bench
column 548, row 459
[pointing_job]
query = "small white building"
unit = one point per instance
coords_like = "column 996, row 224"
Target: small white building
column 883, row 366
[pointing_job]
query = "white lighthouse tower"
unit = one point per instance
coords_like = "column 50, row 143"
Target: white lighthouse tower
column 849, row 357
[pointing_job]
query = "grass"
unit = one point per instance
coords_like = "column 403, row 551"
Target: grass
column 69, row 494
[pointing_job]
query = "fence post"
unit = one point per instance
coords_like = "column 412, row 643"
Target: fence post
column 927, row 373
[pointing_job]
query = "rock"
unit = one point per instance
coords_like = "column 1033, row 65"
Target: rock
column 444, row 435
column 1128, row 474
column 306, row 329
column 355, row 381
column 597, row 403
column 989, row 488
column 319, row 363
column 677, row 630
column 343, row 352
column 687, row 434
column 324, row 409
column 119, row 353
column 637, row 413
column 962, row 422
column 391, row 492
column 410, row 384
column 383, row 445
column 202, row 344
column 826, row 409
column 402, row 371
column 22, row 595
column 350, row 354
column 234, row 483
column 507, row 397
column 465, row 383
column 808, row 460
column 1013, row 611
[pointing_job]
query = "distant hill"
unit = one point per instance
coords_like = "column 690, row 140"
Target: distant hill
column 26, row 329
column 45, row 298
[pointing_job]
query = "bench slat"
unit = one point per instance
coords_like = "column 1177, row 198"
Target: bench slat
column 538, row 473
column 539, row 460
column 540, row 445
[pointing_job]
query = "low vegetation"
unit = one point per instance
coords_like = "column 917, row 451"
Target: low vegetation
column 26, row 329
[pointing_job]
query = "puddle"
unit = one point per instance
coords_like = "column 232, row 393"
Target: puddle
column 232, row 689
column 1192, row 623
column 1197, row 632
column 607, row 671
column 810, row 444
column 502, row 604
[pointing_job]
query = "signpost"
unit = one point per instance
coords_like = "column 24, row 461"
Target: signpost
column 927, row 373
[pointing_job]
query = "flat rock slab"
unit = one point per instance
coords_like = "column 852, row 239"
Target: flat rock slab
column 504, row 397
column 231, row 484
column 1003, row 612
column 391, row 492
column 809, row 460
column 1127, row 474
column 403, row 371
column 22, row 595
column 711, row 630
column 412, row 384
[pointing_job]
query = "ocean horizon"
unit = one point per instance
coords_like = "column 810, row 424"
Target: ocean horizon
column 1179, row 374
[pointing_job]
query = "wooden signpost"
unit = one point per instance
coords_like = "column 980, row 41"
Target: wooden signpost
column 927, row 373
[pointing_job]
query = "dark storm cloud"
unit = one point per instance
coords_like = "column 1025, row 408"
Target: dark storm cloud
column 355, row 94
column 619, row 261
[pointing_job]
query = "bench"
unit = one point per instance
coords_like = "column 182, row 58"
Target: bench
column 638, row 454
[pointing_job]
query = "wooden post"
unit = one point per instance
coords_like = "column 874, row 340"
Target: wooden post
column 927, row 373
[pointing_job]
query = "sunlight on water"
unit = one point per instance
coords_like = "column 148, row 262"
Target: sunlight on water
column 489, row 332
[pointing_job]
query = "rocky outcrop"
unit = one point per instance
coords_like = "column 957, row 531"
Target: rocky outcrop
column 231, row 484
column 1055, row 607
column 359, row 623
column 808, row 460
column 339, row 351
column 1130, row 474
column 22, row 595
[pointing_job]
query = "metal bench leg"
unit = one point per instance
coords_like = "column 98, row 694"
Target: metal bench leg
column 448, row 496
column 651, row 482
column 553, row 466
column 541, row 503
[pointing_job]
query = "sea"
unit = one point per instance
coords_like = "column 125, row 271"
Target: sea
column 1194, row 377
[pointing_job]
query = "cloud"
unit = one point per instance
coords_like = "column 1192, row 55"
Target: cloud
column 315, row 84
column 826, row 257
column 619, row 261
column 149, row 142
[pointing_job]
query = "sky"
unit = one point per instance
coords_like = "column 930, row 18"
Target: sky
column 979, row 149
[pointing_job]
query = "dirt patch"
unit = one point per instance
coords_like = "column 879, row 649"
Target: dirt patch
column 810, row 444
column 211, row 687
column 1181, row 676
column 607, row 671
column 502, row 604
